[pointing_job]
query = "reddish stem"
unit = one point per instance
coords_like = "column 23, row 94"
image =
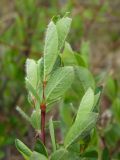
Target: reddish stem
column 43, row 113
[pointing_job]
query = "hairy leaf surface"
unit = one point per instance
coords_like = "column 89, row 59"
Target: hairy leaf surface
column 63, row 27
column 31, row 72
column 59, row 82
column 50, row 48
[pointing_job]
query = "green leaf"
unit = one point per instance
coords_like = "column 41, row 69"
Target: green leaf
column 40, row 68
column 98, row 92
column 32, row 90
column 116, row 109
column 92, row 154
column 112, row 134
column 37, row 156
column 31, row 72
column 63, row 27
column 80, row 60
column 35, row 119
column 111, row 88
column 23, row 114
column 60, row 154
column 57, row 64
column 84, row 50
column 66, row 114
column 106, row 154
column 55, row 18
column 59, row 83
column 52, row 134
column 83, row 80
column 85, row 119
column 34, row 72
column 87, row 103
column 81, row 127
column 40, row 148
column 23, row 149
column 50, row 49
column 63, row 154
column 69, row 57
column 56, row 124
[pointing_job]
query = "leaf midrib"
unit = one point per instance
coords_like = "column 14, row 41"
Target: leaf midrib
column 56, row 84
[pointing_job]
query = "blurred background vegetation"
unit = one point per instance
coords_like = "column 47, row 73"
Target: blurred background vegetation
column 95, row 30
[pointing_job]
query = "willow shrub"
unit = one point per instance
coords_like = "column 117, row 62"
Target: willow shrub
column 59, row 75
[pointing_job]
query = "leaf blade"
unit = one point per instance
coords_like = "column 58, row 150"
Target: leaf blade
column 50, row 49
column 37, row 156
column 23, row 149
column 81, row 127
column 40, row 148
column 35, row 119
column 63, row 27
column 32, row 90
column 31, row 72
column 59, row 82
column 87, row 102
